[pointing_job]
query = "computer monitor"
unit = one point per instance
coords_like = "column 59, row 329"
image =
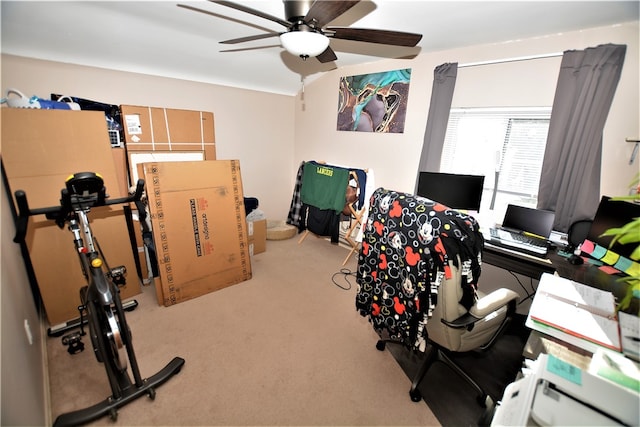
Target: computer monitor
column 613, row 214
column 531, row 220
column 452, row 190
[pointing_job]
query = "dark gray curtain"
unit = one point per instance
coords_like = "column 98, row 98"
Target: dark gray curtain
column 570, row 178
column 444, row 81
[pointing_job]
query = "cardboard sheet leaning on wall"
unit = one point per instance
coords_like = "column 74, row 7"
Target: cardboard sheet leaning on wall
column 40, row 149
column 199, row 227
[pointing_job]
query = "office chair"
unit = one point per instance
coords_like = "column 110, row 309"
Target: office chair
column 452, row 329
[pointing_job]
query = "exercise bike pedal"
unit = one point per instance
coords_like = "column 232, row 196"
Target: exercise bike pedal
column 74, row 342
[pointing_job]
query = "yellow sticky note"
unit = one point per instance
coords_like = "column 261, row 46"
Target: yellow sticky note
column 633, row 269
column 610, row 258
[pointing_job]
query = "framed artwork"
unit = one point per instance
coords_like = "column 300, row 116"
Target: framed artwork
column 374, row 102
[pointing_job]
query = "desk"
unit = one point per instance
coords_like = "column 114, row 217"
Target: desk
column 591, row 275
column 516, row 262
column 586, row 273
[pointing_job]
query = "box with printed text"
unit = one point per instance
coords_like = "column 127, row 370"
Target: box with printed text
column 199, row 228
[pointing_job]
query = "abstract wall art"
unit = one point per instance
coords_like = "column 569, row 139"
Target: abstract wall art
column 374, row 102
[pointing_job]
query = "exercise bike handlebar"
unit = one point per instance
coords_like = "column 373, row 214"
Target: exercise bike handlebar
column 61, row 211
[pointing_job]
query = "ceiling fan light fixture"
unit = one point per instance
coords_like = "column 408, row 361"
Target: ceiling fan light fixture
column 304, row 43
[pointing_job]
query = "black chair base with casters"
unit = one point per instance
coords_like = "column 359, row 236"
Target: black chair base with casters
column 437, row 353
column 452, row 330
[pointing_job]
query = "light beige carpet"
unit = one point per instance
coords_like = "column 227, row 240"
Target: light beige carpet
column 284, row 348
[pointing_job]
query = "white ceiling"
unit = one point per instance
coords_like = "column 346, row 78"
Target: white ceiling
column 159, row 38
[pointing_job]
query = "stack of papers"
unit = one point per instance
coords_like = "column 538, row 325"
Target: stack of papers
column 630, row 334
column 576, row 313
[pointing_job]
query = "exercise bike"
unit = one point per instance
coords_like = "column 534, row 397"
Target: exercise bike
column 100, row 298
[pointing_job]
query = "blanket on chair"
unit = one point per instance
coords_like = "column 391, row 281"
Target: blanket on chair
column 406, row 249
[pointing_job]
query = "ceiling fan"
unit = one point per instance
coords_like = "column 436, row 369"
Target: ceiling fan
column 306, row 33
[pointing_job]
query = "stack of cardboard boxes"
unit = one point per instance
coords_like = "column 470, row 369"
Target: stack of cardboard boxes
column 201, row 237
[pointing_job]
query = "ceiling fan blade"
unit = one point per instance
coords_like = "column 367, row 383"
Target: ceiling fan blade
column 325, row 11
column 245, row 49
column 250, row 38
column 251, row 11
column 197, row 9
column 396, row 38
column 327, row 56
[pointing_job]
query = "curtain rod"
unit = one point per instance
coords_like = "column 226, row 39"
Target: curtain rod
column 518, row 58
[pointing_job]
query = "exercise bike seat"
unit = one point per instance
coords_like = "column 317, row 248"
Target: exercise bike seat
column 85, row 189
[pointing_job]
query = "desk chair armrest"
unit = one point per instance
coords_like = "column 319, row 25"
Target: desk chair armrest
column 463, row 321
column 493, row 301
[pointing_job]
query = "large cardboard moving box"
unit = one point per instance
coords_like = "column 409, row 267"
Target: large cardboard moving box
column 40, row 149
column 199, row 228
column 166, row 134
column 167, row 129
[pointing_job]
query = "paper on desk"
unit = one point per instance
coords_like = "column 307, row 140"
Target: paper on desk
column 630, row 332
column 575, row 309
column 592, row 299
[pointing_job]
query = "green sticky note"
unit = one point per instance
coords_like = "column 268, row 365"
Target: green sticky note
column 564, row 369
column 599, row 252
column 623, row 264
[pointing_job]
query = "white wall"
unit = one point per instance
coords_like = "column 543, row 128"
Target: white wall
column 24, row 377
column 395, row 157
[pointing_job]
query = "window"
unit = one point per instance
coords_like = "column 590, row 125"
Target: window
column 506, row 145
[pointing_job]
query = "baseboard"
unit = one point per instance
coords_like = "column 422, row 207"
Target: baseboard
column 44, row 325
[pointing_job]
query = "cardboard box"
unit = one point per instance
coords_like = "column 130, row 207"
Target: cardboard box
column 257, row 231
column 199, row 227
column 40, row 150
column 166, row 129
column 57, row 267
column 154, row 134
column 120, row 163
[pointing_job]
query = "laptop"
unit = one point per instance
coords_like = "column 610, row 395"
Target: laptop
column 524, row 230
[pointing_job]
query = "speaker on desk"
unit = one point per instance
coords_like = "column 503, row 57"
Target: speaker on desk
column 575, row 236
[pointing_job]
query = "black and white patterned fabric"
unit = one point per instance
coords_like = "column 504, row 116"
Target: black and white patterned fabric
column 295, row 208
column 407, row 245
